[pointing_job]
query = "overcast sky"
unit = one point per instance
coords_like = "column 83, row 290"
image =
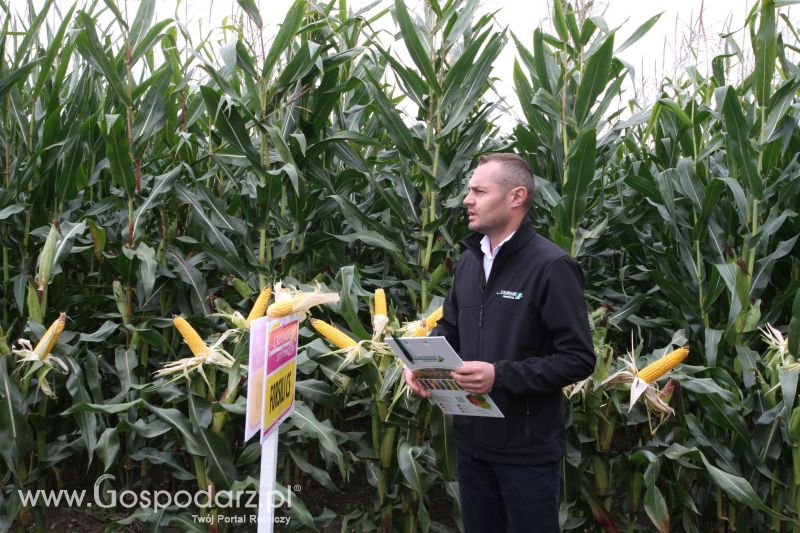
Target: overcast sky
column 662, row 52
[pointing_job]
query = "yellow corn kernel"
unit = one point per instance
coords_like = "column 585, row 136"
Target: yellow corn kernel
column 658, row 368
column 433, row 318
column 50, row 337
column 190, row 336
column 260, row 307
column 279, row 309
column 332, row 334
column 426, row 325
column 380, row 302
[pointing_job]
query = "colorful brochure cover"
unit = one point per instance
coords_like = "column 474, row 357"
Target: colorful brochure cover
column 432, row 359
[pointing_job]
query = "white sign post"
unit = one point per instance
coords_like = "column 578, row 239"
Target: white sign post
column 270, row 392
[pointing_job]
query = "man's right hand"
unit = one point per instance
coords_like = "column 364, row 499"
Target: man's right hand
column 414, row 385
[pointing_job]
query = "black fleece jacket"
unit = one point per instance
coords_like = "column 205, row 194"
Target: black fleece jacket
column 530, row 320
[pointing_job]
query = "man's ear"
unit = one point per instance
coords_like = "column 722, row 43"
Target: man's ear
column 518, row 196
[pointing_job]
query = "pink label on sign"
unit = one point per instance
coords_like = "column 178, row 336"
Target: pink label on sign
column 282, row 345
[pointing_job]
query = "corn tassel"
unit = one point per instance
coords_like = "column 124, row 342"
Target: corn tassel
column 260, row 307
column 655, row 370
column 332, row 334
column 190, row 337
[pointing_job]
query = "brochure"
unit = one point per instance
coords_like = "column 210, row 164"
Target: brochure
column 432, row 359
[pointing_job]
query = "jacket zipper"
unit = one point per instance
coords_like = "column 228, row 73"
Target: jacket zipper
column 480, row 346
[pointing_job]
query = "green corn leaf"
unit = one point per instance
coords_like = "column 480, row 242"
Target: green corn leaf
column 9, row 81
column 141, row 22
column 214, row 234
column 103, row 332
column 229, row 122
column 152, row 110
column 412, row 470
column 107, row 408
column 289, row 28
column 765, row 51
column 162, row 184
column 739, row 489
column 560, row 22
column 473, row 85
column 108, row 447
column 317, row 391
column 26, row 44
column 541, row 61
column 118, row 153
column 251, row 8
column 640, row 32
column 594, row 78
column 390, row 118
column 740, row 148
column 580, row 173
column 794, row 326
column 90, row 48
column 348, row 305
column 217, row 452
column 125, row 362
column 183, row 429
column 656, row 508
column 779, row 105
column 305, row 420
column 45, row 72
column 459, row 23
column 418, row 53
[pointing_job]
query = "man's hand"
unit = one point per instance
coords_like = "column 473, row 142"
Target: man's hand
column 476, row 377
column 414, row 385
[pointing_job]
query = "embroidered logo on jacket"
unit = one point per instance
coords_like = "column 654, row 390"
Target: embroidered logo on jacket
column 510, row 295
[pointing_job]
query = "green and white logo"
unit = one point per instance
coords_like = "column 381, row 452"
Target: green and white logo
column 510, row 295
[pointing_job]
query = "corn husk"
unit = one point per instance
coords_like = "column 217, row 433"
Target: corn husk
column 40, row 358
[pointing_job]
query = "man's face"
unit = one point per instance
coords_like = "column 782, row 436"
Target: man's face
column 488, row 202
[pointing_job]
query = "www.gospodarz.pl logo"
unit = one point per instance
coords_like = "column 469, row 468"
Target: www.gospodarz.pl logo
column 156, row 500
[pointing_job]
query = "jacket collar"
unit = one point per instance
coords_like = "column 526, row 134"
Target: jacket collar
column 525, row 232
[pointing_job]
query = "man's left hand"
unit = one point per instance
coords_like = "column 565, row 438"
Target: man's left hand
column 476, row 377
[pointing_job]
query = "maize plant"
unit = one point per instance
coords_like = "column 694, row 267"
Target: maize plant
column 148, row 173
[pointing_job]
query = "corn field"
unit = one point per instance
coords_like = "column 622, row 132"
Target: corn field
column 154, row 179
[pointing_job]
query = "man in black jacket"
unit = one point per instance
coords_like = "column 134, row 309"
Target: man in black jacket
column 517, row 317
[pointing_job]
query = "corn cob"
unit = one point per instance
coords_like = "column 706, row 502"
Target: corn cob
column 288, row 301
column 380, row 302
column 433, row 318
column 655, row 370
column 279, row 309
column 260, row 307
column 332, row 334
column 47, row 257
column 26, row 353
column 49, row 339
column 190, row 336
column 427, row 324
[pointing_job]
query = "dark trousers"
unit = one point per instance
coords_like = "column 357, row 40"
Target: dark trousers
column 529, row 495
